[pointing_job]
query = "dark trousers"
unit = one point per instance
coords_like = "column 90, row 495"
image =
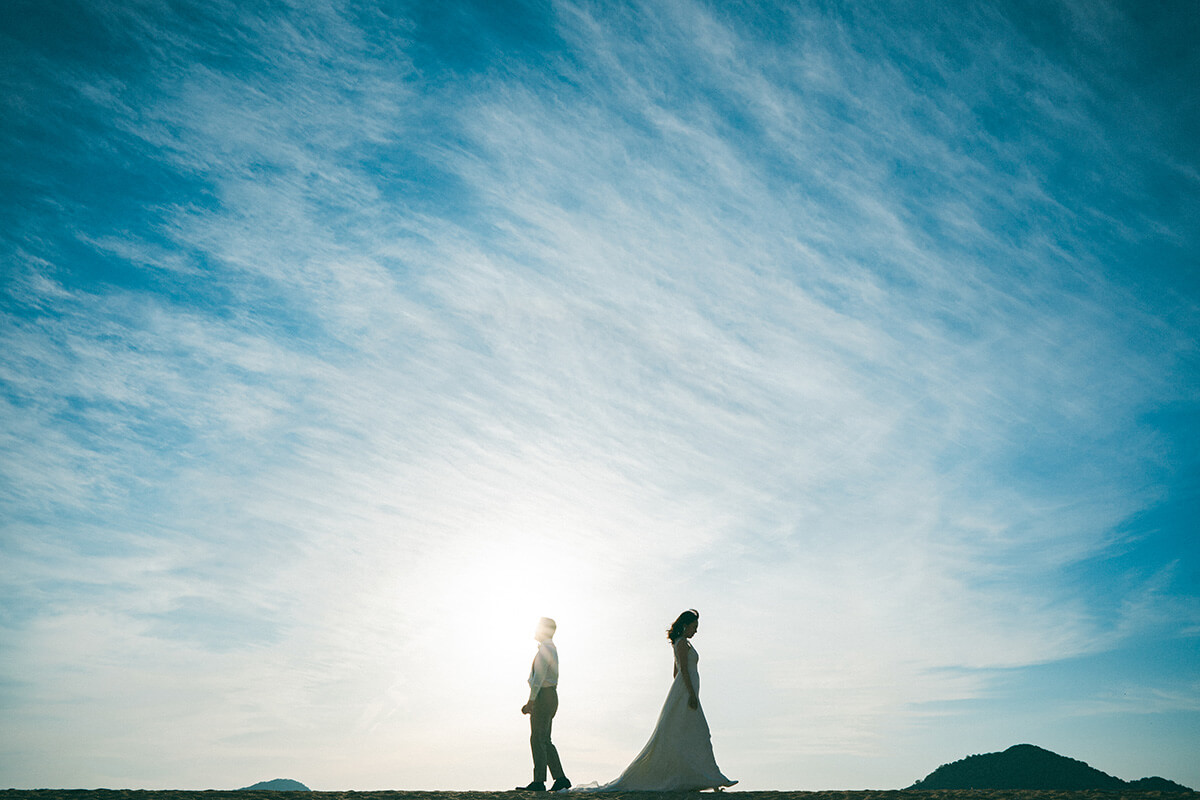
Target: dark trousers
column 545, row 754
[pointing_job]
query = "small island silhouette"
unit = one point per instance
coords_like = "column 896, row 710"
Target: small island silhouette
column 1026, row 766
column 277, row 785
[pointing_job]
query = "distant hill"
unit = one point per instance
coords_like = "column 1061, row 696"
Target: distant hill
column 1156, row 784
column 1025, row 766
column 277, row 785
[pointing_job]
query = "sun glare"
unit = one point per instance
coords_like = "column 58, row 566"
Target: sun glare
column 495, row 598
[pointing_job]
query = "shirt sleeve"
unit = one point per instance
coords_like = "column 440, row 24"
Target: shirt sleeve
column 537, row 675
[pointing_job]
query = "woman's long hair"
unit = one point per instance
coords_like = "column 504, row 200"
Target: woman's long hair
column 684, row 619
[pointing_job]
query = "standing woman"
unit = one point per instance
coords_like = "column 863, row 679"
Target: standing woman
column 679, row 756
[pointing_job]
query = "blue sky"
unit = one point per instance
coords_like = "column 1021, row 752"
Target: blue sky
column 343, row 340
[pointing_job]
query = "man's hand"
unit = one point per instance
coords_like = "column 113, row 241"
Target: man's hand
column 527, row 708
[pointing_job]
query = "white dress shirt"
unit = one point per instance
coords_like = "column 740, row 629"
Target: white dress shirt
column 545, row 668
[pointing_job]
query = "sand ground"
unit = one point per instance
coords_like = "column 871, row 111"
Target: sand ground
column 138, row 794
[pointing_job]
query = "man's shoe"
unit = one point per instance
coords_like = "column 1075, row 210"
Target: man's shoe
column 560, row 784
column 536, row 786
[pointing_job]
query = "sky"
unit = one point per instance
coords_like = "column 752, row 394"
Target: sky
column 340, row 341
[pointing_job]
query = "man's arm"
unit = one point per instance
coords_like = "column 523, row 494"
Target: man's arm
column 536, row 679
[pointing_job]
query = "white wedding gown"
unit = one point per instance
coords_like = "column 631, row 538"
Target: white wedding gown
column 679, row 755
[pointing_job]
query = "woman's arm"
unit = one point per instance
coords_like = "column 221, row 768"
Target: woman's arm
column 681, row 648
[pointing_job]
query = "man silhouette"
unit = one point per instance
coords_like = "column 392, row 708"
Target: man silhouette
column 541, row 708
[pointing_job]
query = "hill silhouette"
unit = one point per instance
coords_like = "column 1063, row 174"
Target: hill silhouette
column 277, row 785
column 1156, row 784
column 1025, row 766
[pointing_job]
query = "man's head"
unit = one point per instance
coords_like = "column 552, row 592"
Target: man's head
column 545, row 629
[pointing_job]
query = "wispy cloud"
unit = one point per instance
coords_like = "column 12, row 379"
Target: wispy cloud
column 806, row 329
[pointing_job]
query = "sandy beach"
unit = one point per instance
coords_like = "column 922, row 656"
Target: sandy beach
column 138, row 794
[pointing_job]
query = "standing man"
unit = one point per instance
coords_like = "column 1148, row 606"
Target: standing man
column 541, row 708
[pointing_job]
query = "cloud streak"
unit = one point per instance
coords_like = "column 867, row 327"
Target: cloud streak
column 829, row 332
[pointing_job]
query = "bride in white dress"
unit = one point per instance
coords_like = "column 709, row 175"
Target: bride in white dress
column 679, row 755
